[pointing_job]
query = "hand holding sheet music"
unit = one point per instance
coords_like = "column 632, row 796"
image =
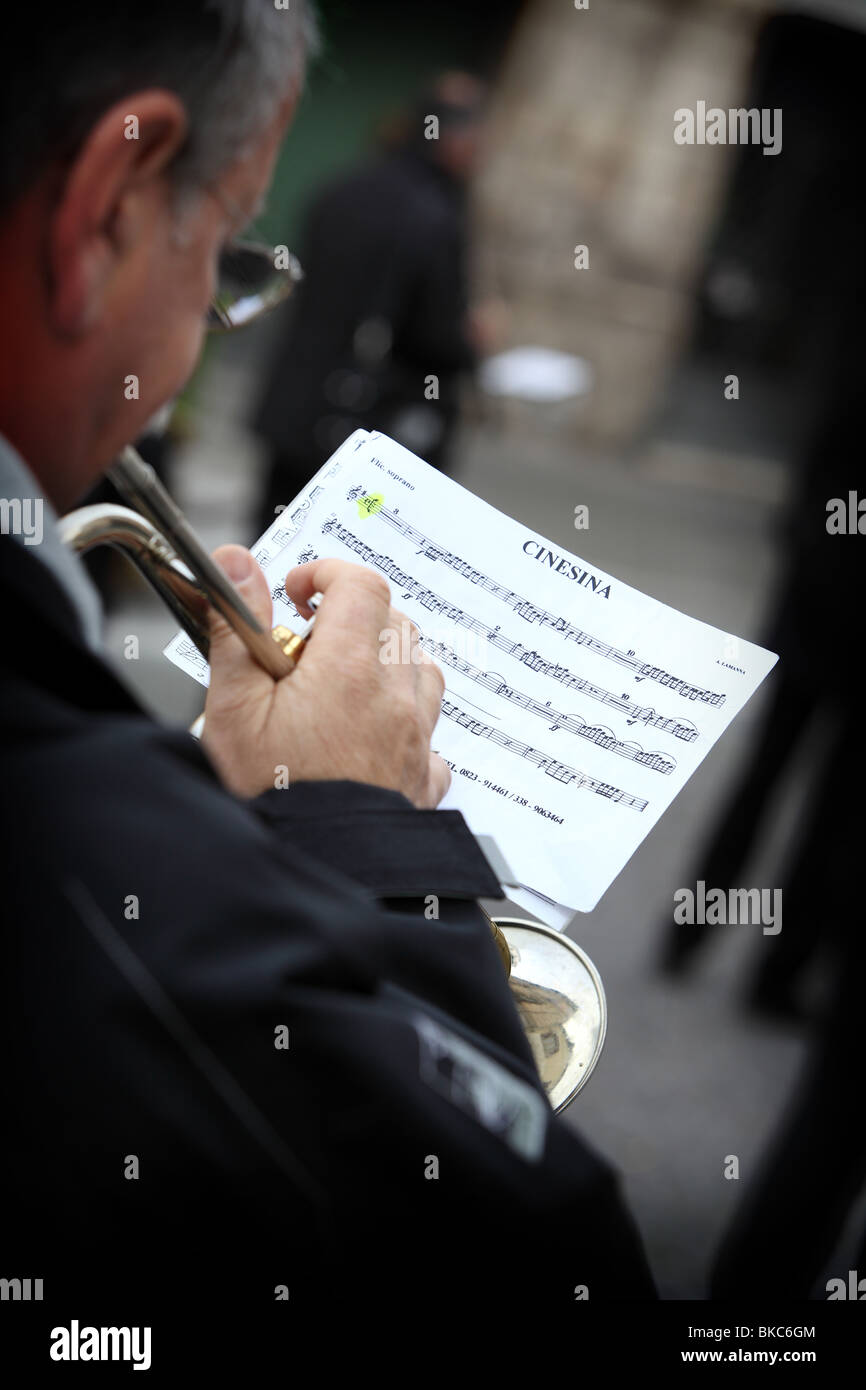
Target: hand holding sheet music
column 575, row 707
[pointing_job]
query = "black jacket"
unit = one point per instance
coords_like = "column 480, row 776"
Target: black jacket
column 158, row 932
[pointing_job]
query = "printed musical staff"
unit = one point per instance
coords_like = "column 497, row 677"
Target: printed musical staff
column 642, row 670
column 561, row 772
column 570, row 723
column 634, row 712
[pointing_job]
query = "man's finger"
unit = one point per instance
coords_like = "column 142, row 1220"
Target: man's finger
column 355, row 601
column 430, row 687
column 438, row 782
column 229, row 657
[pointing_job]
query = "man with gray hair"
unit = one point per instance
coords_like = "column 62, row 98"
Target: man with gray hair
column 219, row 1085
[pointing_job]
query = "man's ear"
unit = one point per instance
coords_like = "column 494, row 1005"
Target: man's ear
column 110, row 197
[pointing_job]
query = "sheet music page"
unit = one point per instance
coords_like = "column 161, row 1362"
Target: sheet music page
column 576, row 707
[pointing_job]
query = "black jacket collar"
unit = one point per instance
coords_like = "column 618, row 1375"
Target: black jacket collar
column 42, row 638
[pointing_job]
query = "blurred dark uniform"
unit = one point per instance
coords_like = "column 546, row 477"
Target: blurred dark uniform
column 376, row 336
column 814, row 629
column 814, row 1169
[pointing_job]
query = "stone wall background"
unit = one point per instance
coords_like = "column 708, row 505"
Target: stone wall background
column 581, row 151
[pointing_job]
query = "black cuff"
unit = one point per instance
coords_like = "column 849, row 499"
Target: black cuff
column 378, row 838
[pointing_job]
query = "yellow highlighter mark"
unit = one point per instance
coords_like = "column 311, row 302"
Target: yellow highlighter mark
column 371, row 504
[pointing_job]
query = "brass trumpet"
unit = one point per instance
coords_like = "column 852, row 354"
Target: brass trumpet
column 556, row 989
column 159, row 541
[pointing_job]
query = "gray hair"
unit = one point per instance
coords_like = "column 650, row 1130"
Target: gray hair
column 269, row 52
column 231, row 63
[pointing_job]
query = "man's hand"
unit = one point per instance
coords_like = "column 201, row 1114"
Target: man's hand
column 343, row 713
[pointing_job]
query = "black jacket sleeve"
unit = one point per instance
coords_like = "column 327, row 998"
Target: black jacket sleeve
column 427, row 866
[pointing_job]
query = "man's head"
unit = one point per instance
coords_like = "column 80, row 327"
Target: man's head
column 136, row 140
column 457, row 99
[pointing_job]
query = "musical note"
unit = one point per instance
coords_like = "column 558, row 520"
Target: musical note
column 532, row 614
column 570, row 723
column 434, row 603
column 561, row 772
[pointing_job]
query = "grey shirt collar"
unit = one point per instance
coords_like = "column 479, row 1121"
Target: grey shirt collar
column 28, row 516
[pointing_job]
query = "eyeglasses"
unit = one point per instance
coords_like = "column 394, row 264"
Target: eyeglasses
column 252, row 278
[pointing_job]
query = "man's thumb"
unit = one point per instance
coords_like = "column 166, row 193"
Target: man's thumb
column 246, row 575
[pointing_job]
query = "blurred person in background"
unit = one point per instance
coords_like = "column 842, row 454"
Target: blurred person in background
column 380, row 331
column 814, row 628
column 805, row 1186
column 794, row 1210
